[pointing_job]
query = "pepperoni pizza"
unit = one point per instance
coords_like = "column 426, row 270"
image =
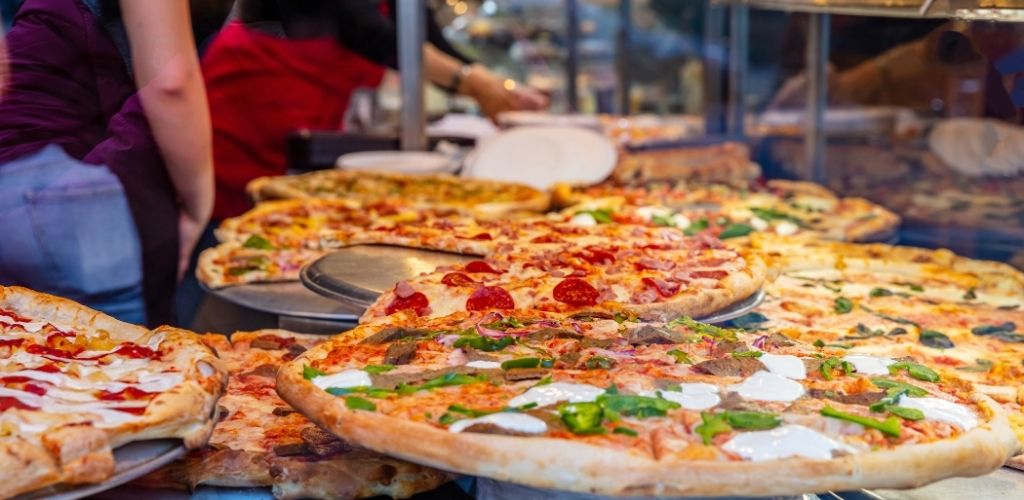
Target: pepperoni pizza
column 77, row 383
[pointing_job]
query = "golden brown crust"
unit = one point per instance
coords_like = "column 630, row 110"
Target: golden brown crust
column 574, row 466
column 81, row 453
column 247, row 457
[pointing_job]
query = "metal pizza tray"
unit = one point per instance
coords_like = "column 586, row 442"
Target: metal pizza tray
column 287, row 299
column 134, row 460
column 357, row 275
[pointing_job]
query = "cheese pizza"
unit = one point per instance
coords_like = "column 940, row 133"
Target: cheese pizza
column 260, row 441
column 77, row 384
column 610, row 406
column 483, row 198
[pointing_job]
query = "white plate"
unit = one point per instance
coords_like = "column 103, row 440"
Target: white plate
column 510, row 119
column 543, row 156
column 405, row 162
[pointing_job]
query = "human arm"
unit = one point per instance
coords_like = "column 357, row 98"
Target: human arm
column 171, row 90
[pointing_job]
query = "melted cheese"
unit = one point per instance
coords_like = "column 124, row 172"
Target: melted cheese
column 485, row 365
column 546, row 395
column 785, row 365
column 583, row 219
column 765, row 386
column 515, row 422
column 785, row 442
column 343, row 380
column 943, row 411
column 692, row 396
column 869, row 365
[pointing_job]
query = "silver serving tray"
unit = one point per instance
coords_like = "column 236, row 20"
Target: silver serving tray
column 134, row 460
column 357, row 275
column 287, row 299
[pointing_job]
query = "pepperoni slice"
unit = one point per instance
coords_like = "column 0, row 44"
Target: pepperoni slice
column 546, row 238
column 140, row 410
column 417, row 302
column 35, row 389
column 490, row 297
column 648, row 263
column 15, row 316
column 479, row 266
column 715, row 275
column 664, row 288
column 11, row 342
column 48, row 351
column 130, row 350
column 657, row 246
column 483, row 237
column 127, row 394
column 9, row 402
column 15, row 379
column 595, row 256
column 575, row 292
column 457, row 279
column 48, row 369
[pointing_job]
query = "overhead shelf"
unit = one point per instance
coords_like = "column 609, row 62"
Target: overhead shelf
column 989, row 10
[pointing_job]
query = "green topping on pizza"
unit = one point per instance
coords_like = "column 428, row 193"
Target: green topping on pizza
column 681, row 356
column 696, row 227
column 257, row 242
column 843, row 305
column 889, row 384
column 702, row 328
column 601, row 215
column 890, row 426
column 829, row 365
column 378, row 369
column 713, row 424
column 880, row 292
column 520, row 363
column 589, row 418
column 309, row 373
column 915, row 370
column 747, row 354
column 625, row 431
column 735, row 231
column 661, row 220
column 481, row 343
column 599, row 362
column 936, row 339
column 1006, row 331
column 358, row 403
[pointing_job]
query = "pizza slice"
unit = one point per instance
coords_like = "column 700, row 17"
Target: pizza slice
column 260, row 441
column 616, row 407
column 76, row 384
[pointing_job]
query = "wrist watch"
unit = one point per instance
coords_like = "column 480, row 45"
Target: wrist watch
column 458, row 77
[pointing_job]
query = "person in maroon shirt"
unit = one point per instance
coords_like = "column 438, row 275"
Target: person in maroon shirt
column 106, row 175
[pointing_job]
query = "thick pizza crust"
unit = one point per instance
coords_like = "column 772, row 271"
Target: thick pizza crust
column 82, row 453
column 573, row 466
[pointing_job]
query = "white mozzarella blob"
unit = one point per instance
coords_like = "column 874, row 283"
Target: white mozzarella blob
column 943, row 411
column 758, row 223
column 343, row 380
column 786, row 228
column 583, row 219
column 546, row 395
column 785, row 365
column 692, row 396
column 648, row 213
column 785, row 442
column 869, row 365
column 483, row 364
column 681, row 221
column 765, row 386
column 29, row 326
column 515, row 422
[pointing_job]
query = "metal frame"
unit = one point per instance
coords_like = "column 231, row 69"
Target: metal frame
column 572, row 56
column 411, row 23
column 739, row 53
column 623, row 56
column 818, row 41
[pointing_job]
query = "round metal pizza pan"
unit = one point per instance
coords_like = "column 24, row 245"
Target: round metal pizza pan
column 736, row 310
column 134, row 460
column 288, row 299
column 358, row 274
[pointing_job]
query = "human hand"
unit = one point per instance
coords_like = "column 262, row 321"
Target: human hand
column 494, row 94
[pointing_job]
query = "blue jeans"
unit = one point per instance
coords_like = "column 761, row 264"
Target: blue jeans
column 65, row 229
